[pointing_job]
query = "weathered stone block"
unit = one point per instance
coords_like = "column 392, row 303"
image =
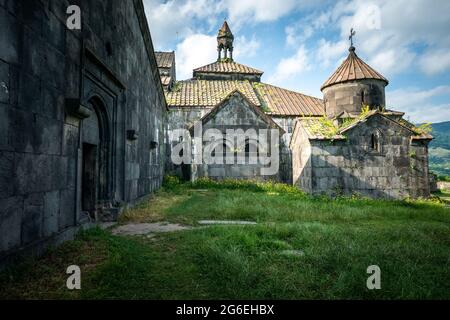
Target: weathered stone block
column 6, row 174
column 11, row 210
column 48, row 136
column 9, row 37
column 52, row 103
column 54, row 72
column 216, row 172
column 4, row 82
column 51, row 213
column 55, row 31
column 401, row 161
column 67, row 213
column 4, row 127
column 32, row 218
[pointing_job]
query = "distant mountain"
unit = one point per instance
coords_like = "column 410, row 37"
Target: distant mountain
column 440, row 148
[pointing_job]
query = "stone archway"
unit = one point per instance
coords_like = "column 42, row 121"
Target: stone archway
column 96, row 155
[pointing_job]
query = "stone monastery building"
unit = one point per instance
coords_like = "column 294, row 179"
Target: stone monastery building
column 345, row 143
column 88, row 118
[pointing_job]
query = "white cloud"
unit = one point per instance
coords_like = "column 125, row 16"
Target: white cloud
column 193, row 52
column 200, row 49
column 298, row 33
column 246, row 48
column 331, row 52
column 435, row 62
column 392, row 61
column 386, row 33
column 173, row 20
column 416, row 103
column 290, row 67
column 258, row 10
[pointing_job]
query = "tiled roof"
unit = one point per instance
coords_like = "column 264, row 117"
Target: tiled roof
column 165, row 59
column 274, row 100
column 207, row 93
column 353, row 68
column 227, row 67
column 285, row 102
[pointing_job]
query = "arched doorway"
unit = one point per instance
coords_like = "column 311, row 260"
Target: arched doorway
column 95, row 170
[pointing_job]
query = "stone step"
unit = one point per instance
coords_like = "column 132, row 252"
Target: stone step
column 235, row 222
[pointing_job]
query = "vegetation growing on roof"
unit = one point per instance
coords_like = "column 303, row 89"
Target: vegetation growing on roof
column 325, row 127
column 176, row 86
column 330, row 128
column 424, row 128
column 261, row 90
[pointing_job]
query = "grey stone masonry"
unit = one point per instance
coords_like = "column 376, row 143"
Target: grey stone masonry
column 351, row 96
column 396, row 166
column 82, row 116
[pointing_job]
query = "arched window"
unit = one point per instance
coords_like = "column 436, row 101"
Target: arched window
column 224, row 149
column 247, row 147
column 375, row 145
column 362, row 98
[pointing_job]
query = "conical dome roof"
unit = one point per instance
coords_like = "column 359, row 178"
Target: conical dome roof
column 225, row 31
column 353, row 68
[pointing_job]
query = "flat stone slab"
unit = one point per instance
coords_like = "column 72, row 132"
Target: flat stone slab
column 208, row 222
column 299, row 253
column 135, row 229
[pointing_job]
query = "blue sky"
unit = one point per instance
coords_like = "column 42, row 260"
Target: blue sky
column 299, row 44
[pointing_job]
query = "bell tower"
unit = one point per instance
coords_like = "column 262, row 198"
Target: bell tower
column 225, row 43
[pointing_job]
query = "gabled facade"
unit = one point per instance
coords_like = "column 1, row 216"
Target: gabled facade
column 227, row 156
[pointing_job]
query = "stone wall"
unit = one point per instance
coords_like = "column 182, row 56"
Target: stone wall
column 349, row 96
column 180, row 118
column 62, row 91
column 395, row 169
column 301, row 159
column 419, row 169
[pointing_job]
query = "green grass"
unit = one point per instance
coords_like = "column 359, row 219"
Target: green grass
column 444, row 195
column 340, row 238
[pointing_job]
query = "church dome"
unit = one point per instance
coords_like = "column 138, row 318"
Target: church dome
column 353, row 68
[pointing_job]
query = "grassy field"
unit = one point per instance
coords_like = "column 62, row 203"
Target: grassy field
column 339, row 239
column 443, row 195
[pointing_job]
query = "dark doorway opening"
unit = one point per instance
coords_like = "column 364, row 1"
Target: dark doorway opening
column 89, row 178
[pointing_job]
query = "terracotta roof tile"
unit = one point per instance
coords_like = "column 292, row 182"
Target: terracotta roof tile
column 353, row 68
column 227, row 67
column 165, row 59
column 285, row 102
column 277, row 101
column 207, row 93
